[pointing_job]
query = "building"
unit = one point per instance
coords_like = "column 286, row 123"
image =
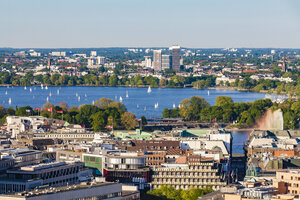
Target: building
column 101, row 60
column 52, row 174
column 288, row 181
column 58, row 53
column 156, row 60
column 165, row 62
column 93, row 53
column 89, row 191
column 128, row 168
column 174, row 52
column 195, row 173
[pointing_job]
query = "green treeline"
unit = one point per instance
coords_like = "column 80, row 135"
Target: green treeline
column 102, row 80
column 245, row 114
column 103, row 114
column 168, row 193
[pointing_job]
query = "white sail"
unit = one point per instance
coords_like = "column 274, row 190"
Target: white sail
column 46, row 87
column 156, row 106
column 137, row 106
column 78, row 98
column 76, row 94
column 9, row 101
column 6, row 93
column 127, row 94
column 93, row 102
column 47, row 99
column 85, row 95
column 25, row 88
column 121, row 99
column 149, row 90
column 207, row 93
column 50, row 94
column 174, row 105
column 145, row 108
column 30, row 90
column 57, row 92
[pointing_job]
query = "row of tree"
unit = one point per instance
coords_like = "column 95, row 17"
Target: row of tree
column 104, row 114
column 245, row 114
column 168, row 193
column 93, row 79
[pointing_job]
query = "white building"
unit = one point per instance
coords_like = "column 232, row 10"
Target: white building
column 58, row 53
column 93, row 53
column 101, row 60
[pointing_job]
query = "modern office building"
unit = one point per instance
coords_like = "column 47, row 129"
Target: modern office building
column 156, row 60
column 165, row 62
column 128, row 168
column 195, row 173
column 51, row 174
column 174, row 52
column 88, row 191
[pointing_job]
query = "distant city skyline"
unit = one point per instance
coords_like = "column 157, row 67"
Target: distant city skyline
column 135, row 23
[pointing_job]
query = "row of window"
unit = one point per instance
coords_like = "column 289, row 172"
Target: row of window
column 186, row 173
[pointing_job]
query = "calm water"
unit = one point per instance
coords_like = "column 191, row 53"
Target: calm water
column 138, row 101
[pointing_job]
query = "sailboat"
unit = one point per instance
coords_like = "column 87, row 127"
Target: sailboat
column 85, row 95
column 57, row 92
column 78, row 98
column 25, row 88
column 149, row 90
column 121, row 99
column 76, row 94
column 50, row 94
column 145, row 108
column 9, row 101
column 156, row 106
column 93, row 102
column 137, row 106
column 6, row 93
column 47, row 99
column 42, row 86
column 174, row 105
column 127, row 94
column 30, row 90
column 46, row 87
column 207, row 93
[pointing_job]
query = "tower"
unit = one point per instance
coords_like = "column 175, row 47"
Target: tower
column 157, row 60
column 175, row 58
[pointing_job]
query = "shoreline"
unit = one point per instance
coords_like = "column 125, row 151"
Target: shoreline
column 146, row 86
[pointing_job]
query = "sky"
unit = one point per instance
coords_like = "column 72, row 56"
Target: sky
column 150, row 23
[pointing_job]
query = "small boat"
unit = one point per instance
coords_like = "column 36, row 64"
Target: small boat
column 121, row 99
column 47, row 99
column 93, row 102
column 42, row 86
column 85, row 95
column 25, row 88
column 127, row 94
column 174, row 105
column 156, row 106
column 57, row 92
column 78, row 98
column 9, row 101
column 207, row 93
column 137, row 106
column 50, row 94
column 30, row 90
column 46, row 87
column 6, row 93
column 149, row 90
column 76, row 94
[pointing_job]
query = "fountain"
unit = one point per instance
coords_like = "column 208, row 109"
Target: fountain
column 271, row 120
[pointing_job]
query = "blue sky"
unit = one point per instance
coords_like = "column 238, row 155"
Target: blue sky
column 152, row 23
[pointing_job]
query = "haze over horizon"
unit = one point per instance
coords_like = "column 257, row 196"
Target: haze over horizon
column 135, row 23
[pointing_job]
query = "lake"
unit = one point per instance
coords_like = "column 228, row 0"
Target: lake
column 138, row 101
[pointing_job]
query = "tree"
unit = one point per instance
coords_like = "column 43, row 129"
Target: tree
column 99, row 121
column 128, row 120
column 223, row 100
